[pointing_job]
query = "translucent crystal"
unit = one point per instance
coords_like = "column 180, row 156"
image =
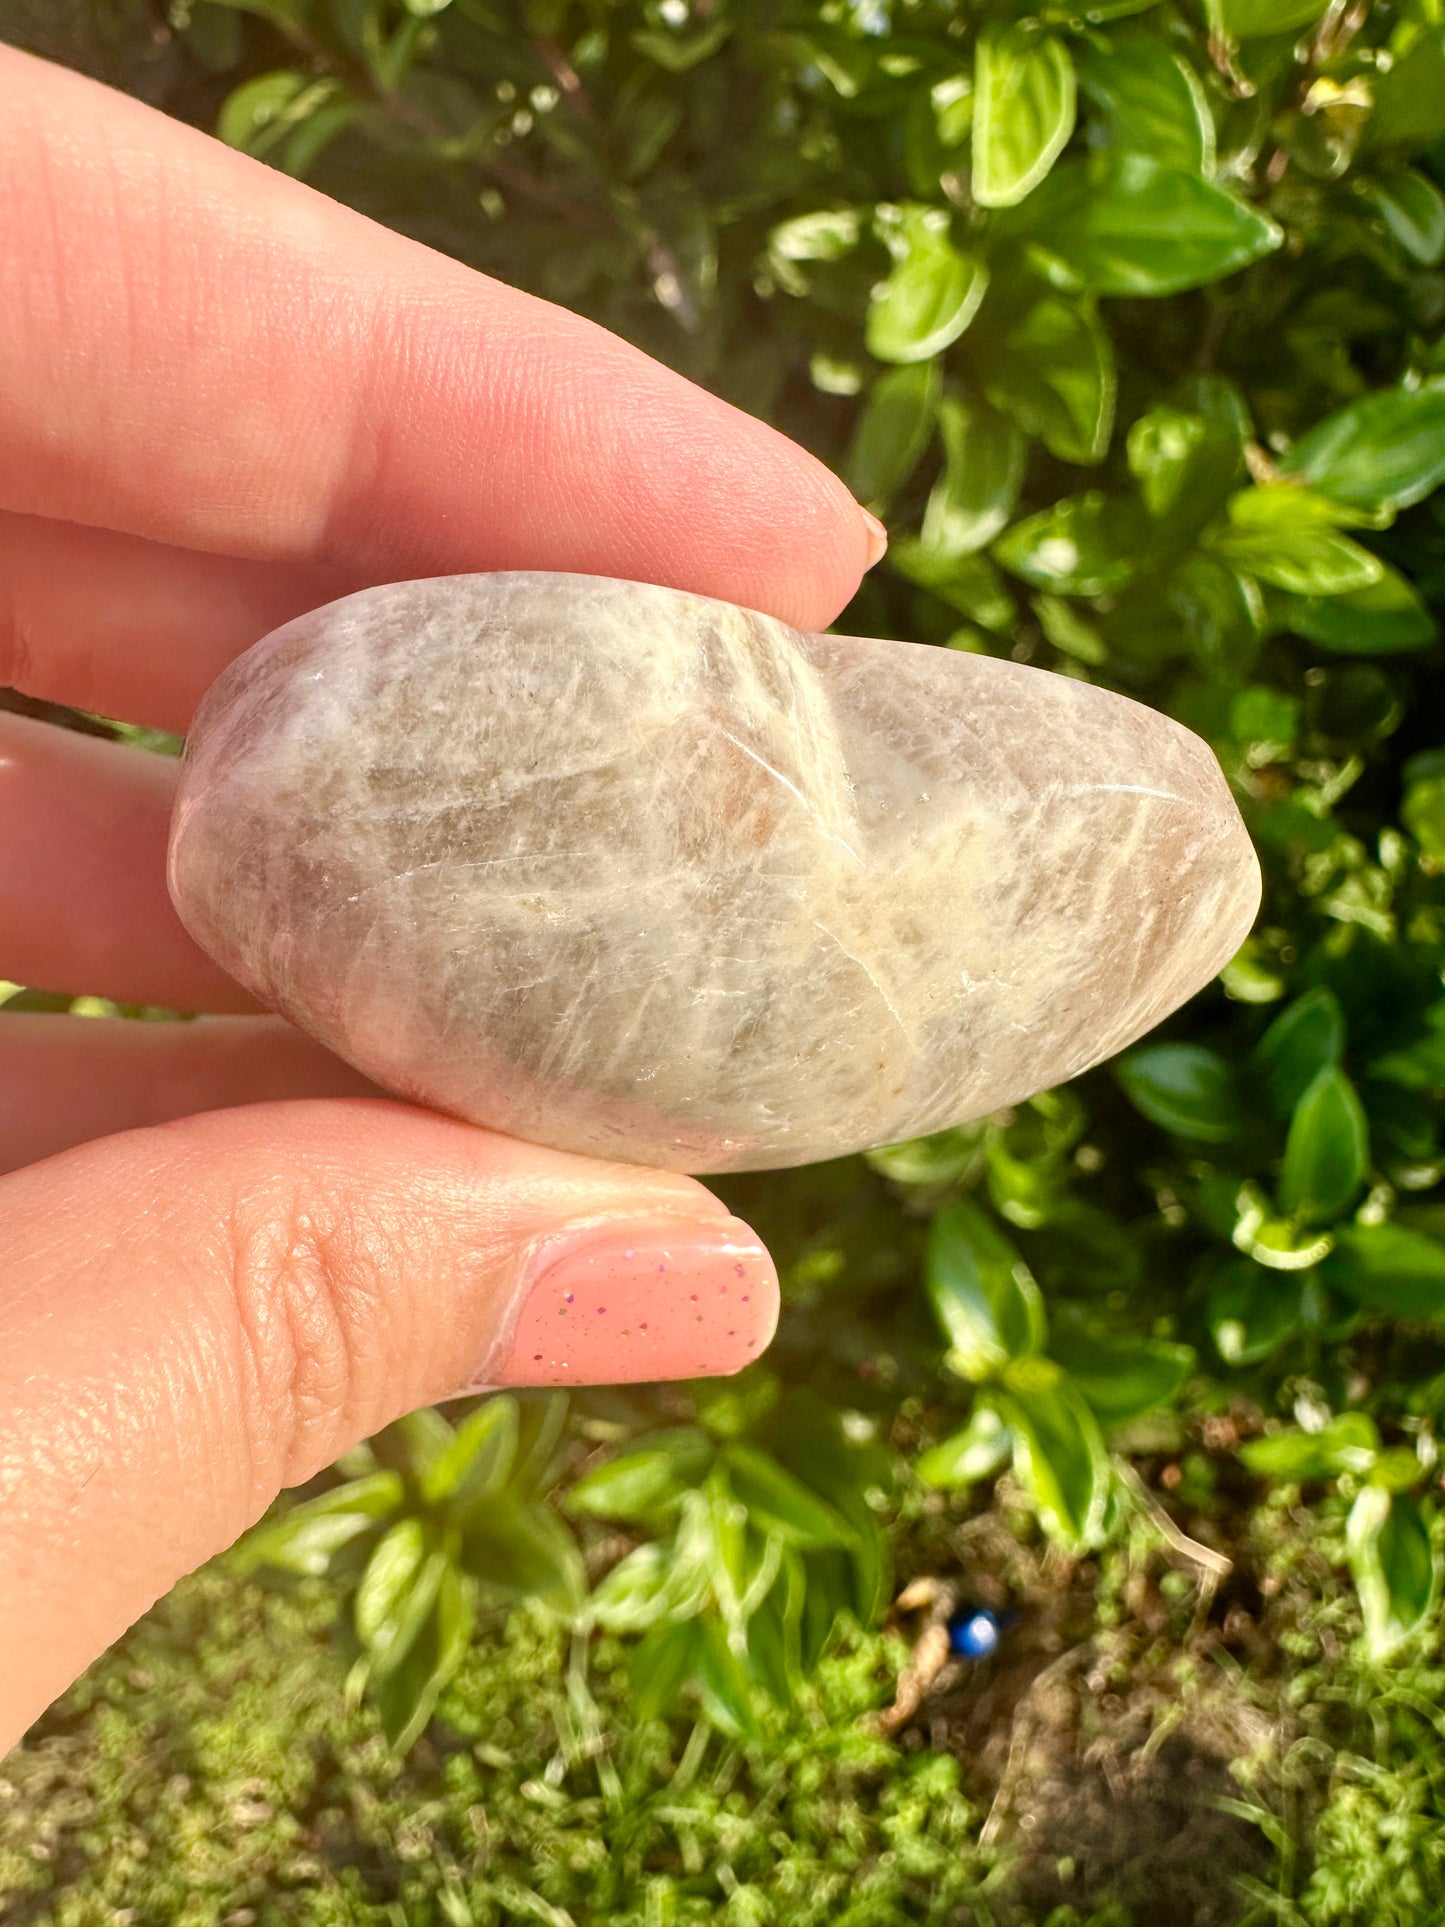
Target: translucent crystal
column 640, row 874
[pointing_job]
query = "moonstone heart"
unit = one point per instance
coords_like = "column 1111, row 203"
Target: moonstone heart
column 640, row 874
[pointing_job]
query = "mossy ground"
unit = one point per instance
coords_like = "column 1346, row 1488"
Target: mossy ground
column 1141, row 1751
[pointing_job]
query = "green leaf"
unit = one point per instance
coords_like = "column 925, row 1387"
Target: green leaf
column 983, row 464
column 1052, row 371
column 1084, row 545
column 1060, row 1459
column 1187, row 456
column 633, row 1594
column 646, row 1481
column 1413, row 211
column 1265, row 722
column 778, row 1502
column 975, row 1453
column 981, row 1289
column 475, row 1463
column 1153, row 101
column 1159, row 448
column 968, row 583
column 1378, row 455
column 1186, row 1088
column 1305, row 1039
column 1389, row 1268
column 1220, row 614
column 1394, row 1566
column 389, row 1581
column 1120, row 1374
column 1349, row 1443
column 825, row 235
column 1024, row 104
column 1252, row 1312
column 656, row 1581
column 1254, row 19
column 415, row 1441
column 677, row 52
column 1410, row 97
column 264, row 111
column 774, row 1656
column 930, row 297
column 1125, row 224
column 1327, row 1152
column 1069, row 631
column 405, row 1691
column 893, row 431
column 826, row 1598
column 1397, row 1469
column 541, row 1423
column 1279, row 1243
column 726, row 1689
column 662, row 1663
column 300, row 1541
column 1384, row 618
column 850, row 1474
column 1423, row 815
column 1307, row 561
column 520, row 1550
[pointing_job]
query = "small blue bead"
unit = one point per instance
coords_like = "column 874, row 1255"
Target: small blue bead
column 973, row 1633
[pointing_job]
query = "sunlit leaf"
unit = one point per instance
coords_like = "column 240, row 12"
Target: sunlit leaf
column 1126, row 224
column 1154, row 101
column 1060, row 1459
column 1394, row 1565
column 983, row 463
column 1349, row 1443
column 1023, row 111
column 930, row 297
column 1085, row 545
column 647, row 1480
column 972, row 1454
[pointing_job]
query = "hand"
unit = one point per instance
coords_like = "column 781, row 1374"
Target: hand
column 223, row 400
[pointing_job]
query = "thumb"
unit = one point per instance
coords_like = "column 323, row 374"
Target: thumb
column 196, row 1315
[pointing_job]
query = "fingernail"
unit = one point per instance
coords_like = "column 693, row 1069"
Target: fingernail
column 612, row 1306
column 877, row 538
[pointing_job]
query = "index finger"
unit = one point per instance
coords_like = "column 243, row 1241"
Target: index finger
column 205, row 353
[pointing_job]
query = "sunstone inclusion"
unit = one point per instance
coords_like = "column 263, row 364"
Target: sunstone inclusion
column 643, row 875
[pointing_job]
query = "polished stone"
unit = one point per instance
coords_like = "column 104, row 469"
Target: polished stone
column 639, row 874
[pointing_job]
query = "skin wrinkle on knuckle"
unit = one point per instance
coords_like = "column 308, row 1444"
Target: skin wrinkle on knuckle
column 308, row 1279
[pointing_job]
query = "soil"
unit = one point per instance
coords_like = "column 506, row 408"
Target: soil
column 1102, row 1756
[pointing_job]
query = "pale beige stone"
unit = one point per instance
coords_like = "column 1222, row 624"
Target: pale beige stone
column 640, row 874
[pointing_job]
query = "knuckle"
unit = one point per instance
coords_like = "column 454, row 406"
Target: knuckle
column 306, row 1281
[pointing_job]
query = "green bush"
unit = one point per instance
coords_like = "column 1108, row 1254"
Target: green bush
column 1129, row 320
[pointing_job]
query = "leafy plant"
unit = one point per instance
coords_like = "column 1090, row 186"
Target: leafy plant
column 1131, row 320
column 431, row 1523
column 753, row 1556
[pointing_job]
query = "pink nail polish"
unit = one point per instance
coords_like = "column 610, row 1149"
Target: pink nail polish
column 877, row 539
column 617, row 1304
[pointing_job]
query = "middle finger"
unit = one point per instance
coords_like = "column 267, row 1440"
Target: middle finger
column 83, row 902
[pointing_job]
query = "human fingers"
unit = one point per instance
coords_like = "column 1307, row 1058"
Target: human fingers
column 247, row 1294
column 66, row 1080
column 83, row 900
column 126, row 627
column 204, row 352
